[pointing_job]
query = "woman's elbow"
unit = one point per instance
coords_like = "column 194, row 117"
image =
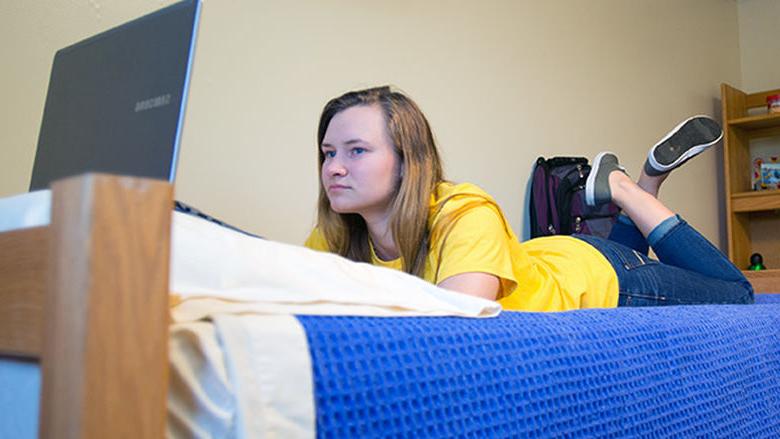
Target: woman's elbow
column 477, row 284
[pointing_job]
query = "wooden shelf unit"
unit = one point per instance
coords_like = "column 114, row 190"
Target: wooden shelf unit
column 752, row 217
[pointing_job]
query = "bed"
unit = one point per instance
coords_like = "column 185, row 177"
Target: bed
column 85, row 324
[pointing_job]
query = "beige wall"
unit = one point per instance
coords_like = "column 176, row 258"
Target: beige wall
column 759, row 22
column 502, row 82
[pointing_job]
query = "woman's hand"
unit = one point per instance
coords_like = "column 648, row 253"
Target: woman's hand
column 478, row 284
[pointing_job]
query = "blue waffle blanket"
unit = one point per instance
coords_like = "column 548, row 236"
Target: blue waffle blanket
column 687, row 371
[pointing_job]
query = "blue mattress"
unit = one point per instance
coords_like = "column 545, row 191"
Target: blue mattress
column 673, row 371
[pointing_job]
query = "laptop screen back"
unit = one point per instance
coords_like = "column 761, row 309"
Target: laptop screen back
column 115, row 102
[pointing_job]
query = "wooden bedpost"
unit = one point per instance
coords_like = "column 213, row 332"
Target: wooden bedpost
column 104, row 360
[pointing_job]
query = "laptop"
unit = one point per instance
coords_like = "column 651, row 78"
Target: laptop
column 116, row 101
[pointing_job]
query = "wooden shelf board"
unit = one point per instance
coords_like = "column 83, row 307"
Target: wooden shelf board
column 757, row 194
column 764, row 281
column 755, row 201
column 760, row 121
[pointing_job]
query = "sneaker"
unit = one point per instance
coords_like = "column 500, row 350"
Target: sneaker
column 685, row 141
column 597, row 185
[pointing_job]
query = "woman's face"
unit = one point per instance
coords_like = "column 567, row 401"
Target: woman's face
column 361, row 170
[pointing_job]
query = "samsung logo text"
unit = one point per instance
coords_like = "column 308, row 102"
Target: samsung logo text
column 148, row 104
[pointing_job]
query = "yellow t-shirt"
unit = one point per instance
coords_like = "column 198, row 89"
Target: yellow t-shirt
column 555, row 273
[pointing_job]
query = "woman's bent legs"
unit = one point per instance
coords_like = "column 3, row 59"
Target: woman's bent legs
column 676, row 243
column 691, row 270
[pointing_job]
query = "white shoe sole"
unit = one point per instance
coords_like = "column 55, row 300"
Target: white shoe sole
column 686, row 155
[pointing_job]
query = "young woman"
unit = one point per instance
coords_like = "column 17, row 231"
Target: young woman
column 384, row 200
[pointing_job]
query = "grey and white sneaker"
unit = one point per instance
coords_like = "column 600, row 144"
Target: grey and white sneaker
column 688, row 139
column 597, row 190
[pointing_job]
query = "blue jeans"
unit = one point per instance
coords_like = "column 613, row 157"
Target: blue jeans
column 690, row 270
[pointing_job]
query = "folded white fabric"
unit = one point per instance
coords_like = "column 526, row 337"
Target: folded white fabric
column 267, row 358
column 215, row 270
column 201, row 393
column 240, row 376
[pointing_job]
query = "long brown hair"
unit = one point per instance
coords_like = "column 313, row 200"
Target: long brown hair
column 407, row 127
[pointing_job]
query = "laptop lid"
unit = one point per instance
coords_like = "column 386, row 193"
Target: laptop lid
column 115, row 102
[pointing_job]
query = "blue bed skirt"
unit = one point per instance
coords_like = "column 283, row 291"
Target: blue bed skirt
column 672, row 371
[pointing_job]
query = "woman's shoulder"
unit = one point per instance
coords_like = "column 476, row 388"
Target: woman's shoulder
column 453, row 200
column 449, row 190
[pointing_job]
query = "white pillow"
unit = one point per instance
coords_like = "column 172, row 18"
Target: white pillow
column 215, row 269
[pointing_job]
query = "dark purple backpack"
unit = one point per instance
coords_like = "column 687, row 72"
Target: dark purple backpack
column 558, row 200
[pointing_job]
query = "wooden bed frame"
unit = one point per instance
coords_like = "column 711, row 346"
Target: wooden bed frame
column 87, row 297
